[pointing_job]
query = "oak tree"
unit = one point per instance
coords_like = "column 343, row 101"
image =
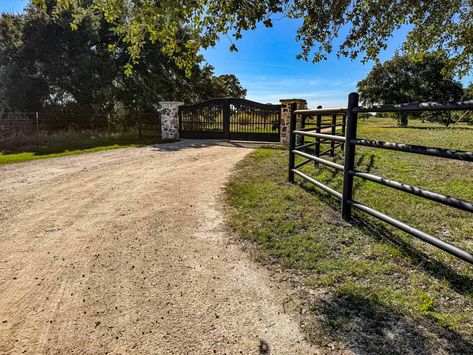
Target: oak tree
column 362, row 27
column 402, row 80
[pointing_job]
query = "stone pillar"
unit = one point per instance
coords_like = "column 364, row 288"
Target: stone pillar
column 286, row 117
column 170, row 119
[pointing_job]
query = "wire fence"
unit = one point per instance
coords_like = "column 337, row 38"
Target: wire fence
column 30, row 123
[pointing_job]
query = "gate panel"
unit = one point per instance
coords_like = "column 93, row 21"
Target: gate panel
column 254, row 121
column 230, row 118
column 202, row 120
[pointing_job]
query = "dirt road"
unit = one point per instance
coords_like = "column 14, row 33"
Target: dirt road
column 125, row 252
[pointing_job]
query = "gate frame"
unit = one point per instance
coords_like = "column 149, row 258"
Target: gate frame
column 226, row 132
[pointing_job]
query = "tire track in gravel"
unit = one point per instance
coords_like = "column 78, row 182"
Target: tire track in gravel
column 126, row 252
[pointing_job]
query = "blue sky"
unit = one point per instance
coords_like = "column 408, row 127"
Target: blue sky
column 12, row 5
column 266, row 65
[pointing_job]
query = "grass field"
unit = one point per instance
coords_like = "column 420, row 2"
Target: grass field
column 377, row 289
column 23, row 148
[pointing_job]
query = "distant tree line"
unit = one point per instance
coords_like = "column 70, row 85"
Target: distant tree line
column 45, row 65
column 402, row 80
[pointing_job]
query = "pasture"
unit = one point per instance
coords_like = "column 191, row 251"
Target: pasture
column 376, row 289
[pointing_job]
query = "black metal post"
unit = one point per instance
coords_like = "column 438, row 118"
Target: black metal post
column 352, row 118
column 332, row 143
column 318, row 130
column 292, row 140
column 344, row 123
column 226, row 119
column 303, row 122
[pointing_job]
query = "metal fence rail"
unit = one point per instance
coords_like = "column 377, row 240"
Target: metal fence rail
column 350, row 141
column 322, row 124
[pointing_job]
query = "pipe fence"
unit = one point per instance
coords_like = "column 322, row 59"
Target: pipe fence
column 349, row 141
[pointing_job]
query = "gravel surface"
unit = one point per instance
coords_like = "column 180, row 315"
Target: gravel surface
column 125, row 251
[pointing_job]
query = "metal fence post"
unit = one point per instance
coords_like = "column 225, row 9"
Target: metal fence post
column 37, row 122
column 303, row 122
column 352, row 118
column 334, row 127
column 344, row 123
column 318, row 129
column 226, row 119
column 292, row 141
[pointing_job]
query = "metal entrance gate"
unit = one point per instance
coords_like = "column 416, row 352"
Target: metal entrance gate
column 230, row 118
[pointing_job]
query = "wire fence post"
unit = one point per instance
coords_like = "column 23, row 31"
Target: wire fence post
column 292, row 141
column 37, row 122
column 352, row 118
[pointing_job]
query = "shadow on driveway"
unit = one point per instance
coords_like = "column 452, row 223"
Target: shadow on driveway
column 204, row 143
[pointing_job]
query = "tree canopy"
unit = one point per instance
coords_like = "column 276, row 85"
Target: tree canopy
column 46, row 65
column 355, row 27
column 402, row 80
column 468, row 92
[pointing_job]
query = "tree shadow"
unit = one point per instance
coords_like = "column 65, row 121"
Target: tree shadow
column 364, row 161
column 462, row 284
column 380, row 232
column 41, row 149
column 366, row 326
column 185, row 144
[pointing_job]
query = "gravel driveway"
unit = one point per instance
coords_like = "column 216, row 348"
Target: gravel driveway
column 125, row 252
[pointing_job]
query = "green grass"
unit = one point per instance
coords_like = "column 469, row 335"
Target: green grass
column 22, row 149
column 378, row 289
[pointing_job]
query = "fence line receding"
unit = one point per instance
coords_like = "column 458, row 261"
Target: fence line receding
column 348, row 141
column 148, row 124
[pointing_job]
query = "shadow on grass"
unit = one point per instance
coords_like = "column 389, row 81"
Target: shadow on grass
column 204, row 143
column 364, row 161
column 79, row 144
column 378, row 231
column 367, row 326
column 460, row 283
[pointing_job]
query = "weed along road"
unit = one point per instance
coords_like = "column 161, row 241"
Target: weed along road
column 125, row 251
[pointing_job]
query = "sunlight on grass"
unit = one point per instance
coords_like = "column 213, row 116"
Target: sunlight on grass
column 27, row 156
column 22, row 148
column 368, row 264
